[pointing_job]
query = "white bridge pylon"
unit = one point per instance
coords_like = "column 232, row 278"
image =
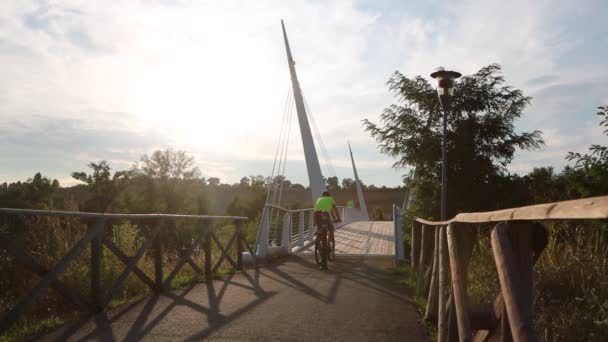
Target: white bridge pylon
column 296, row 226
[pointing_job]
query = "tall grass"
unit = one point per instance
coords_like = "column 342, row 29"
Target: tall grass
column 570, row 282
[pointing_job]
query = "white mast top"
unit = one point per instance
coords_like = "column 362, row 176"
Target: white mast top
column 362, row 205
column 315, row 177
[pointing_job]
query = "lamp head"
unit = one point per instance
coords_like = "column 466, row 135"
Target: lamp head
column 445, row 81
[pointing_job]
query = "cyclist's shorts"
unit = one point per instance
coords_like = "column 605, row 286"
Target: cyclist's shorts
column 323, row 217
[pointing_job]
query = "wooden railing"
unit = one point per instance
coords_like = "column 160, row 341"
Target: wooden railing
column 98, row 234
column 440, row 254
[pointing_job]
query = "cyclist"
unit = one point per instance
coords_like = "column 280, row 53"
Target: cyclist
column 325, row 211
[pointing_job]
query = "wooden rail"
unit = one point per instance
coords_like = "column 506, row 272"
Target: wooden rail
column 442, row 249
column 98, row 234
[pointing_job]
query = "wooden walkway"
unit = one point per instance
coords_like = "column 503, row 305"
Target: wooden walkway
column 365, row 237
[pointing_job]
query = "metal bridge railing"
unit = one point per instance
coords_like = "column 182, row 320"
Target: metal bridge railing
column 440, row 254
column 284, row 231
column 95, row 232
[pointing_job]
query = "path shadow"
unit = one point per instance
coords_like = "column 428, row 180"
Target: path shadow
column 146, row 315
column 147, row 318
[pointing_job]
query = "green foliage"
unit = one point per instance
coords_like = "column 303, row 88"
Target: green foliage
column 31, row 328
column 348, row 184
column 332, row 183
column 168, row 164
column 167, row 175
column 481, row 138
column 598, row 156
column 103, row 188
column 36, row 193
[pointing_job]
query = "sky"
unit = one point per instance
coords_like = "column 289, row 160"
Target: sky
column 85, row 81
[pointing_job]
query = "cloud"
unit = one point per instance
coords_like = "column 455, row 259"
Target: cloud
column 89, row 81
column 542, row 80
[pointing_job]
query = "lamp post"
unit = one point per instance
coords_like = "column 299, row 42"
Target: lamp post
column 445, row 90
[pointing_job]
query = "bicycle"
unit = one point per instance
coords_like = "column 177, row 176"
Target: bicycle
column 325, row 249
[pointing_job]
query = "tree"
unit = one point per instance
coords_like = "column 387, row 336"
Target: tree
column 348, row 184
column 258, row 183
column 37, row 192
column 244, row 183
column 332, row 183
column 589, row 176
column 169, row 164
column 168, row 175
column 102, row 187
column 481, row 138
column 213, row 181
column 281, row 182
column 598, row 156
column 297, row 187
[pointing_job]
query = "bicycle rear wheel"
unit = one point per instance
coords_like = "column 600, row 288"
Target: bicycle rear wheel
column 318, row 257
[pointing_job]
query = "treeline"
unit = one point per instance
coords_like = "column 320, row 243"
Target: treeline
column 167, row 181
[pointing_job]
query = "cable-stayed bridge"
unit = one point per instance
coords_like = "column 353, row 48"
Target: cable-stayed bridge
column 285, row 231
column 283, row 296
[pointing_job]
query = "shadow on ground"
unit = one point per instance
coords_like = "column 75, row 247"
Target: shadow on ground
column 358, row 299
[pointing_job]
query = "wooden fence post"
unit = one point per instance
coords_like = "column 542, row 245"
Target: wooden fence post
column 207, row 248
column 158, row 260
column 96, row 256
column 415, row 251
column 239, row 244
column 425, row 255
column 431, row 303
column 515, row 276
column 460, row 244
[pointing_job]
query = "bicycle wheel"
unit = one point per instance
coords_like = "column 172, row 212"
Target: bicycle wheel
column 318, row 257
column 332, row 247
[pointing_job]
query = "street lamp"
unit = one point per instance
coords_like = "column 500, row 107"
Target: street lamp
column 445, row 90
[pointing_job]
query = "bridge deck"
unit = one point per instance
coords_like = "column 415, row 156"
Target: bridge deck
column 358, row 299
column 364, row 237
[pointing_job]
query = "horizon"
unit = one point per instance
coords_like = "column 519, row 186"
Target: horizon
column 91, row 82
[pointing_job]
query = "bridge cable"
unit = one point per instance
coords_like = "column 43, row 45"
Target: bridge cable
column 323, row 149
column 270, row 186
column 279, row 142
column 283, row 163
column 280, row 177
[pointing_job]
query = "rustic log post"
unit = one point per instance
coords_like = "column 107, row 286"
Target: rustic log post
column 452, row 328
column 96, row 256
column 505, row 331
column 460, row 247
column 158, row 260
column 520, row 234
column 431, row 303
column 515, row 276
column 415, row 251
column 425, row 255
column 443, row 286
column 239, row 245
